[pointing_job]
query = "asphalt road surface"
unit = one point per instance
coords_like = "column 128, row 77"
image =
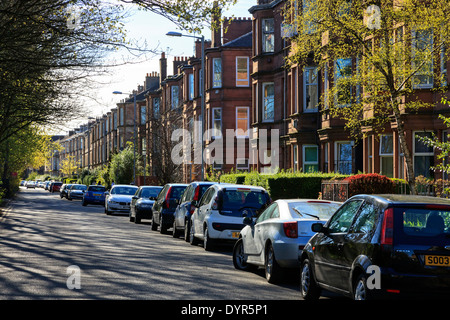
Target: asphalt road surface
column 55, row 249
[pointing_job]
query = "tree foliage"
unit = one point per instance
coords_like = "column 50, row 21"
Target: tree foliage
column 395, row 48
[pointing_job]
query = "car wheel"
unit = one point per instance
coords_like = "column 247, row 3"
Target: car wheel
column 162, row 226
column 308, row 286
column 239, row 259
column 187, row 230
column 84, row 203
column 208, row 243
column 107, row 211
column 137, row 220
column 154, row 225
column 131, row 218
column 175, row 232
column 192, row 239
column 272, row 269
column 360, row 290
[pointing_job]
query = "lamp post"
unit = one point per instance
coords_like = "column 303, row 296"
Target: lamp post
column 134, row 133
column 202, row 90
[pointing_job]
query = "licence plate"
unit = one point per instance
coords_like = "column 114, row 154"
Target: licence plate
column 235, row 235
column 441, row 261
column 96, row 194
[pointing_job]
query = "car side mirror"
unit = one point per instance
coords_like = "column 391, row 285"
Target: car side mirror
column 134, row 197
column 318, row 227
column 248, row 221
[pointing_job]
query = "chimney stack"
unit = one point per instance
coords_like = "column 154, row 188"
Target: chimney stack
column 163, row 67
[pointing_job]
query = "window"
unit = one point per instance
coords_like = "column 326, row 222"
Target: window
column 342, row 71
column 295, row 156
column 295, row 89
column 268, row 41
column 242, row 164
column 387, row 155
column 144, row 146
column 422, row 46
column 369, row 154
column 242, row 72
column 191, row 86
column 217, row 72
column 143, row 114
column 156, row 103
column 443, row 62
column 217, row 122
column 423, row 155
column 311, row 90
column 310, row 158
column 343, row 218
column 343, row 162
column 366, row 220
column 268, row 101
column 242, row 122
column 175, row 96
column 121, row 116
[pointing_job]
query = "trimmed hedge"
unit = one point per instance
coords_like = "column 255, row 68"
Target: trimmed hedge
column 284, row 185
column 371, row 183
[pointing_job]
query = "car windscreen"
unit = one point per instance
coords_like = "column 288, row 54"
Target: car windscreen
column 97, row 188
column 78, row 187
column 242, row 201
column 150, row 192
column 308, row 210
column 124, row 190
column 422, row 225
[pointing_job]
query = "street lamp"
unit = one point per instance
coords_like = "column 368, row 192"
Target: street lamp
column 202, row 90
column 134, row 133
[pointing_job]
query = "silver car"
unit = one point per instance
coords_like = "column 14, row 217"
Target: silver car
column 119, row 198
column 278, row 235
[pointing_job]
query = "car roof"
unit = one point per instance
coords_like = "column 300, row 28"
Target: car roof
column 307, row 200
column 124, row 185
column 399, row 199
column 238, row 186
column 177, row 184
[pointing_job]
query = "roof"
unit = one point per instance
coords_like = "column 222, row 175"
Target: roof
column 242, row 41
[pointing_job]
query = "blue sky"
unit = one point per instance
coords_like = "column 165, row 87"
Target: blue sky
column 151, row 28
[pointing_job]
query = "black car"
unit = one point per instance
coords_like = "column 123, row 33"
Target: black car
column 380, row 246
column 186, row 206
column 142, row 203
column 63, row 190
column 165, row 205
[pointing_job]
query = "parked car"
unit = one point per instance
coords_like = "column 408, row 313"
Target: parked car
column 22, row 183
column 46, row 185
column 274, row 239
column 191, row 195
column 55, row 186
column 95, row 194
column 31, row 184
column 119, row 198
column 63, row 190
column 406, row 238
column 218, row 215
column 142, row 203
column 76, row 191
column 165, row 205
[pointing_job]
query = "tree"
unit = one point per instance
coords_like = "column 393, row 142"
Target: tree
column 69, row 165
column 395, row 46
column 121, row 165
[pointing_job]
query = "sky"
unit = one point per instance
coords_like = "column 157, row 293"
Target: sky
column 151, row 28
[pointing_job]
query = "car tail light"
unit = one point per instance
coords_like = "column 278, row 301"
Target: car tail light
column 215, row 204
column 290, row 229
column 197, row 194
column 167, row 199
column 387, row 230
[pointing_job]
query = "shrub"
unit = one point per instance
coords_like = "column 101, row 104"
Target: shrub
column 371, row 183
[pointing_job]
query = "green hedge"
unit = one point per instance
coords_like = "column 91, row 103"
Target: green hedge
column 284, row 185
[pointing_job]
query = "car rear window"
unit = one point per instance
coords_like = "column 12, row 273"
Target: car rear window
column 150, row 192
column 234, row 201
column 176, row 191
column 97, row 188
column 425, row 225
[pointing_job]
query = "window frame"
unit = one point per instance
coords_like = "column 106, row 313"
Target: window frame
column 309, row 163
column 269, row 100
column 246, row 135
column 216, row 81
column 267, row 35
column 306, row 85
column 242, row 82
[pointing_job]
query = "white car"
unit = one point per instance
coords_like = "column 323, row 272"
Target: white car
column 277, row 237
column 218, row 215
column 119, row 198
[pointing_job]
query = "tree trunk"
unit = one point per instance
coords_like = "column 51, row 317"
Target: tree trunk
column 403, row 145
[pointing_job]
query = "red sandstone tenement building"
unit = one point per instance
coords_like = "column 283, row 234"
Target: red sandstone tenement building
column 249, row 89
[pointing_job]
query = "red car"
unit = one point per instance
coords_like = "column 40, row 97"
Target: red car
column 55, row 186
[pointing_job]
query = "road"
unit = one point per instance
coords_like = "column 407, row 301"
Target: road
column 44, row 239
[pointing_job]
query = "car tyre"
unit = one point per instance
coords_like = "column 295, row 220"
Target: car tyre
column 271, row 267
column 360, row 290
column 162, row 226
column 208, row 243
column 308, row 286
column 154, row 225
column 84, row 203
column 192, row 239
column 187, row 230
column 239, row 260
column 175, row 232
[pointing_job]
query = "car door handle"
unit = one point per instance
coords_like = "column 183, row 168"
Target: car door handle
column 340, row 245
